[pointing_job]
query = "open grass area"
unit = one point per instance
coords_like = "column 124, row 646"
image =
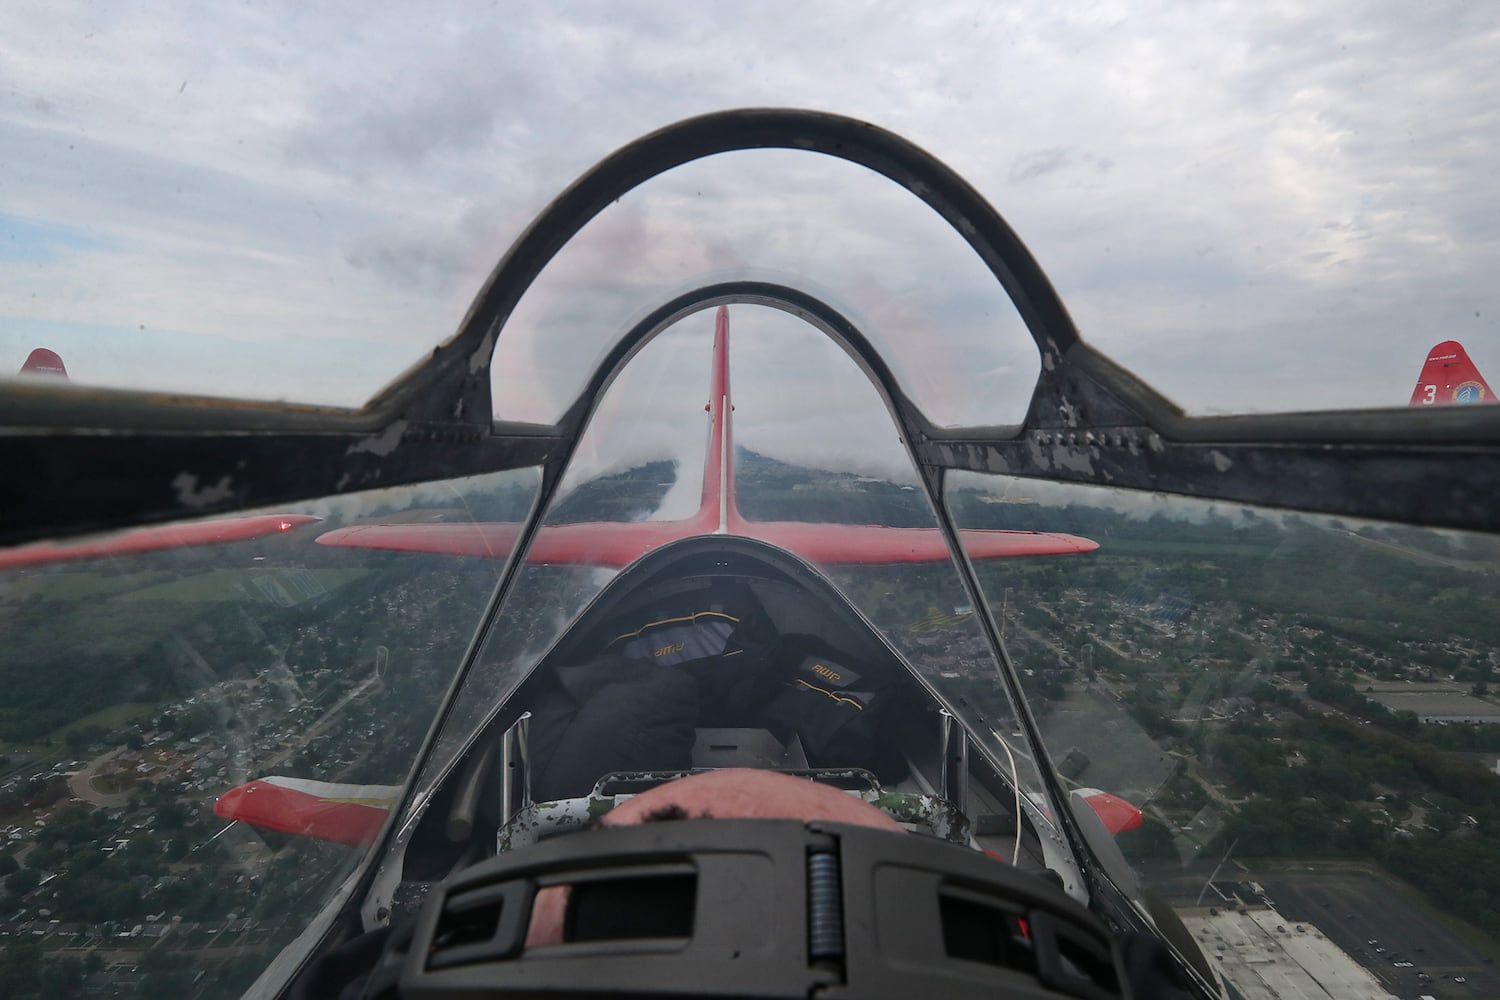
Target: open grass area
column 1464, row 931
column 228, row 584
column 232, row 585
column 111, row 718
column 78, row 585
column 1125, row 546
column 1422, row 556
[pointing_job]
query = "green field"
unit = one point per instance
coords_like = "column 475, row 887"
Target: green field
column 77, row 586
column 1124, row 546
column 111, row 718
column 231, row 585
column 1423, row 556
column 149, row 585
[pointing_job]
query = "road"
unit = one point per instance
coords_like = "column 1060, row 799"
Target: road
column 81, row 784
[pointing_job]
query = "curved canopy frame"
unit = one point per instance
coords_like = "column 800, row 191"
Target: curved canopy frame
column 151, row 457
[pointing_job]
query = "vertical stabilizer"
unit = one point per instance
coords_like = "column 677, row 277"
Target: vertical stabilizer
column 1449, row 378
column 717, row 507
column 44, row 361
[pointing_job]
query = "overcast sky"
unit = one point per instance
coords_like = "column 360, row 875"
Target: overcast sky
column 1255, row 206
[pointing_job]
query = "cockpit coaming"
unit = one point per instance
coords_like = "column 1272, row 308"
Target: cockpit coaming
column 725, row 652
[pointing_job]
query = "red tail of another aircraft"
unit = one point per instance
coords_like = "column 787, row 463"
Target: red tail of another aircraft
column 44, row 361
column 1449, row 378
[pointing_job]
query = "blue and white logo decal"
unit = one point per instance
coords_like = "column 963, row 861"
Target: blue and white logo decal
column 1468, row 392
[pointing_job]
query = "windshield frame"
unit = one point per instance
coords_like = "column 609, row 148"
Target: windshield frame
column 903, row 412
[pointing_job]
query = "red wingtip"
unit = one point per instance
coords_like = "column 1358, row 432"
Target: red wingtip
column 44, row 361
column 1118, row 815
column 1448, row 377
column 218, row 531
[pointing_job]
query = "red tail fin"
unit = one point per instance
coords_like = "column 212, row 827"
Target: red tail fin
column 43, row 361
column 717, row 508
column 1449, row 378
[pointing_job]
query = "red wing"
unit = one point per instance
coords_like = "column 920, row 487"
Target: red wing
column 614, row 545
column 347, row 814
column 619, row 544
column 219, row 531
column 1118, row 815
column 870, row 543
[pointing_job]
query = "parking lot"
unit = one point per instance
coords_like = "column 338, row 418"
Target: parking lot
column 1353, row 909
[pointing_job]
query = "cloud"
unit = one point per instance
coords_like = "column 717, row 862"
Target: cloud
column 31, row 241
column 1214, row 189
column 1058, row 159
